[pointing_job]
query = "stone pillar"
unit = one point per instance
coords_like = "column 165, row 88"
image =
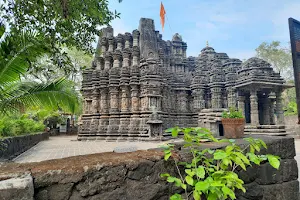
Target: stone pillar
column 267, row 116
column 111, row 43
column 104, row 118
column 136, row 37
column 128, row 40
column 254, row 108
column 99, row 63
column 114, row 100
column 117, row 59
column 120, row 42
column 182, row 101
column 216, row 97
column 107, row 61
column 241, row 104
column 279, row 108
column 272, row 113
column 135, row 56
column 231, row 98
column 103, row 45
column 124, row 99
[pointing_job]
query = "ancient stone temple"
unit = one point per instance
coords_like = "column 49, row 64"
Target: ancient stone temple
column 140, row 84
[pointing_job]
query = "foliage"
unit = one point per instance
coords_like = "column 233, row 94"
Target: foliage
column 233, row 114
column 19, row 125
column 17, row 53
column 73, row 23
column 212, row 174
column 46, row 70
column 289, row 100
column 279, row 57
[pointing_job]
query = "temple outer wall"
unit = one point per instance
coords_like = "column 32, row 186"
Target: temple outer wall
column 135, row 175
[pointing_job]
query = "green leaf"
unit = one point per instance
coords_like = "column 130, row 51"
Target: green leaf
column 189, row 180
column 167, row 155
column 273, row 160
column 219, row 155
column 183, row 186
column 253, row 158
column 243, row 157
column 190, row 172
column 200, row 172
column 176, row 197
column 196, row 195
column 212, row 196
column 228, row 191
column 164, row 175
column 202, row 186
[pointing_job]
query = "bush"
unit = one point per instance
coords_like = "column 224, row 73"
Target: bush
column 13, row 126
column 233, row 114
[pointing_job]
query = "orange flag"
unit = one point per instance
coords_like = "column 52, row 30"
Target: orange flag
column 162, row 15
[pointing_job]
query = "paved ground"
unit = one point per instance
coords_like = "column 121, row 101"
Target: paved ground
column 66, row 146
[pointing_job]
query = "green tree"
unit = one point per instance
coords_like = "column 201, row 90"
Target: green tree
column 278, row 56
column 74, row 23
column 17, row 52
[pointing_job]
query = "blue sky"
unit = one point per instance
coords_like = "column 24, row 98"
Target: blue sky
column 236, row 27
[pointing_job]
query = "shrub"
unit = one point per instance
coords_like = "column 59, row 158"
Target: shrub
column 212, row 174
column 13, row 126
column 233, row 113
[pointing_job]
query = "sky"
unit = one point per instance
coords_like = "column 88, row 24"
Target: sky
column 236, row 27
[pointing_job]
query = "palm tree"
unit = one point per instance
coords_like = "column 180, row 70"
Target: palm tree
column 17, row 52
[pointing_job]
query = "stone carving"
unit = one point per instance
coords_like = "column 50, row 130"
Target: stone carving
column 140, row 84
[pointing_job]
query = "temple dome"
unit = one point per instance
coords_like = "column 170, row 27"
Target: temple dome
column 177, row 37
column 208, row 50
column 255, row 62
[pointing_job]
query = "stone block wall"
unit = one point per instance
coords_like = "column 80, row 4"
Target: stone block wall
column 291, row 125
column 135, row 175
column 14, row 146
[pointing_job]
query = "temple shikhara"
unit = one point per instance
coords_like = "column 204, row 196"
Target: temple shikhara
column 139, row 85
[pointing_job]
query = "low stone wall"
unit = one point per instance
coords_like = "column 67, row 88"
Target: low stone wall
column 292, row 127
column 14, row 146
column 135, row 176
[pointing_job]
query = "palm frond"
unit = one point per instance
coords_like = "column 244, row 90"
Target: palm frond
column 56, row 94
column 17, row 52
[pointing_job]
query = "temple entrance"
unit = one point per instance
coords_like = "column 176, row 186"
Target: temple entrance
column 247, row 110
column 221, row 130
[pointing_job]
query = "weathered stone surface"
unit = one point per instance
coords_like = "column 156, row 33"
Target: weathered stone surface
column 136, row 175
column 284, row 191
column 288, row 171
column 17, row 188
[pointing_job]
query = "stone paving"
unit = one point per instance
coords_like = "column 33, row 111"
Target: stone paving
column 66, row 146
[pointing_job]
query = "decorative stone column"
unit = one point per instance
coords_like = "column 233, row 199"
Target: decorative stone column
column 136, row 37
column 241, row 104
column 254, row 108
column 272, row 113
column 128, row 40
column 120, row 42
column 216, row 97
column 111, row 43
column 267, row 116
column 279, row 108
column 103, row 45
column 104, row 118
column 231, row 98
column 99, row 63
column 135, row 56
column 107, row 60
